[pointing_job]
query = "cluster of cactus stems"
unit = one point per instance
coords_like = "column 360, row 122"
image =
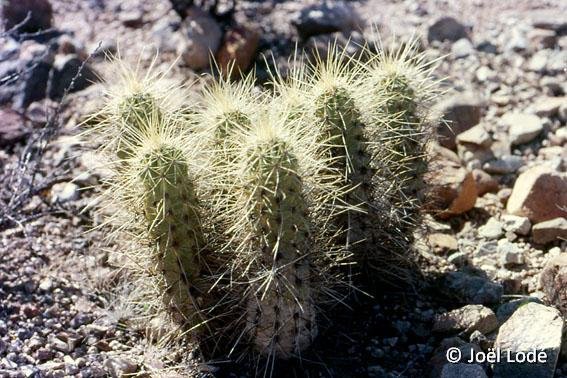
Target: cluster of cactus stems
column 259, row 199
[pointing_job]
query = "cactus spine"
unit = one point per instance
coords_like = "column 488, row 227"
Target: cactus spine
column 282, row 312
column 403, row 77
column 270, row 218
column 171, row 214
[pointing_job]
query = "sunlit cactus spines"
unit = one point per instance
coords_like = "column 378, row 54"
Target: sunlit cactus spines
column 403, row 76
column 255, row 209
column 226, row 108
column 172, row 216
column 276, row 185
column 135, row 96
column 282, row 311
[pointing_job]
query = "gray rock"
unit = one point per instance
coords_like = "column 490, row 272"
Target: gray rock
column 506, row 310
column 510, row 253
column 506, row 164
column 531, row 327
column 484, row 74
column 64, row 192
column 164, row 28
column 486, row 248
column 439, row 359
column 472, row 289
column 120, row 366
column 459, row 113
column 462, row 48
column 132, row 18
column 462, row 370
column 548, row 231
column 476, row 135
column 538, row 62
column 516, row 224
column 553, row 280
column 446, row 29
column 459, row 259
column 201, row 39
column 487, row 47
column 326, row 17
column 466, row 320
column 491, row 230
column 523, row 127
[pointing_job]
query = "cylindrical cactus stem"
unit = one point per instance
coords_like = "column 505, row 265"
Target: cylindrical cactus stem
column 342, row 126
column 281, row 310
column 134, row 113
column 172, row 218
column 400, row 79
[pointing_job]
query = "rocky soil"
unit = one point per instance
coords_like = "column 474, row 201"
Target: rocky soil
column 494, row 255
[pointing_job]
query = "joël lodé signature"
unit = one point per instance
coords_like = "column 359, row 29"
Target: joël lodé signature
column 495, row 355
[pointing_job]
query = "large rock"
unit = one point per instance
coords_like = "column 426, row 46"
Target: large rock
column 462, row 370
column 477, row 136
column 522, row 127
column 238, row 49
column 439, row 359
column 12, row 128
column 468, row 288
column 540, row 194
column 326, row 17
column 549, row 106
column 551, row 230
column 202, row 38
column 458, row 112
column 15, row 11
column 507, row 309
column 492, row 229
column 506, row 164
column 532, row 327
column 516, row 224
column 451, row 188
column 553, row 280
column 446, row 29
column 466, row 319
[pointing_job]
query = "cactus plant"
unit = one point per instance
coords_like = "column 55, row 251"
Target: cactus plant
column 275, row 185
column 135, row 97
column 403, row 76
column 154, row 192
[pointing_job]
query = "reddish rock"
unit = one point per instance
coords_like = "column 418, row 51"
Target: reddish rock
column 551, row 230
column 539, row 194
column 553, row 280
column 484, row 182
column 451, row 188
column 12, row 128
column 238, row 49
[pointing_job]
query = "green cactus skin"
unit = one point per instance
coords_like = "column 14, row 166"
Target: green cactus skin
column 281, row 313
column 404, row 140
column 173, row 221
column 135, row 112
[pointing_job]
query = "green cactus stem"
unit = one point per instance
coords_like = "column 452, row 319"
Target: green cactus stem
column 172, row 218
